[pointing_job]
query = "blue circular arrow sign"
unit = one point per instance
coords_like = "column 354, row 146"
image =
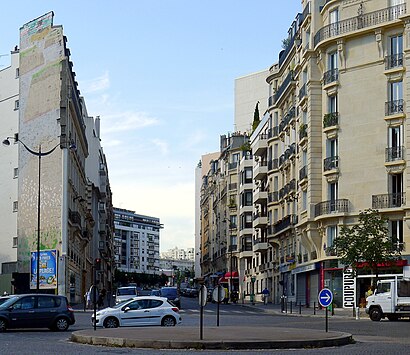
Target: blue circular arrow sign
column 325, row 297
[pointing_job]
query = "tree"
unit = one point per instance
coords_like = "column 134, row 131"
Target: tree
column 256, row 118
column 366, row 244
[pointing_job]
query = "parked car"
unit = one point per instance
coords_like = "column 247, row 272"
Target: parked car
column 155, row 293
column 139, row 311
column 36, row 311
column 125, row 293
column 4, row 298
column 171, row 294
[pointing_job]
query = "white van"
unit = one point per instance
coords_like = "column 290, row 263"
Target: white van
column 125, row 293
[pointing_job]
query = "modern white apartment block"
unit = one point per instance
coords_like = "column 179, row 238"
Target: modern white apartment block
column 179, row 254
column 332, row 143
column 136, row 242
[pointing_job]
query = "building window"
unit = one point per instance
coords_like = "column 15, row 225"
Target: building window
column 396, row 233
column 15, row 206
column 16, row 173
column 16, row 105
column 304, row 200
column 17, row 72
column 15, row 242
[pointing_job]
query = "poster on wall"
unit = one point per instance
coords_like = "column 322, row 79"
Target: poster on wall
column 48, row 269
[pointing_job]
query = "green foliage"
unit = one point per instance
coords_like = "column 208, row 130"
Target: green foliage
column 246, row 147
column 285, row 42
column 141, row 279
column 256, row 117
column 368, row 242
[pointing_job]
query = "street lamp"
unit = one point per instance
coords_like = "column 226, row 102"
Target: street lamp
column 39, row 154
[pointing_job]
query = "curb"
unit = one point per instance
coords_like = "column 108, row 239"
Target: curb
column 243, row 343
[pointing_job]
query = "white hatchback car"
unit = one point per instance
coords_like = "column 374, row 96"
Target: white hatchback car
column 139, row 311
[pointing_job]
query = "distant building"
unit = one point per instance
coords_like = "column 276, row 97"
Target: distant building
column 179, row 254
column 136, row 242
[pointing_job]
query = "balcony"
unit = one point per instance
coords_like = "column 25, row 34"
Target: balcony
column 393, row 61
column 273, row 132
column 332, row 206
column 259, row 220
column 302, row 93
column 393, row 200
column 260, row 196
column 302, row 132
column 394, row 107
column 330, row 119
column 331, row 163
column 285, row 84
column 273, row 197
column 303, row 173
column 359, row 22
column 273, row 164
column 260, row 170
column 285, row 223
column 260, row 145
column 74, row 217
column 395, row 153
column 284, row 54
column 260, row 245
column 330, row 76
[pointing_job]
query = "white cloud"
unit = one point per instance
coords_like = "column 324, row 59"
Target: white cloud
column 97, row 84
column 126, row 121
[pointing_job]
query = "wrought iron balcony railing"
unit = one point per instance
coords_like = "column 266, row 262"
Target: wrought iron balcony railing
column 394, row 61
column 330, row 119
column 394, row 153
column 284, row 85
column 331, row 206
column 358, row 22
column 395, row 106
column 330, row 76
column 302, row 92
column 388, row 200
column 288, row 221
column 330, row 163
column 303, row 173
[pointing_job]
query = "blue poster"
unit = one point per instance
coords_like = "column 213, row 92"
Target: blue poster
column 48, row 269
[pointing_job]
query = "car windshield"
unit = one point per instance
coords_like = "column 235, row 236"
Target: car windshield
column 126, row 291
column 119, row 305
column 8, row 302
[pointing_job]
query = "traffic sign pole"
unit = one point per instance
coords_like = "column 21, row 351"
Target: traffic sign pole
column 325, row 299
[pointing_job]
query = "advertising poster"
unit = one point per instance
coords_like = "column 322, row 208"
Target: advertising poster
column 48, row 270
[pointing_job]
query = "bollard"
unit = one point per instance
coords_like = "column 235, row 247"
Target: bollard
column 333, row 309
column 314, row 308
column 286, row 306
column 357, row 313
column 290, row 307
column 300, row 307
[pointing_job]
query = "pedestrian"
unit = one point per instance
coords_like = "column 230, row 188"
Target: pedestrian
column 265, row 294
column 101, row 297
column 369, row 291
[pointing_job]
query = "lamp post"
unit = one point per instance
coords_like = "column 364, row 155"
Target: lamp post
column 39, row 154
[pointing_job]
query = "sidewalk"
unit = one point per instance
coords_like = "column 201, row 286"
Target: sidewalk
column 293, row 310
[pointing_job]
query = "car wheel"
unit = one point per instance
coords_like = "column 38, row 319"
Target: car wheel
column 375, row 314
column 111, row 323
column 168, row 322
column 61, row 324
column 3, row 325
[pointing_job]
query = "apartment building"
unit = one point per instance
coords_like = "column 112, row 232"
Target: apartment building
column 331, row 144
column 136, row 242
column 44, row 167
column 179, row 254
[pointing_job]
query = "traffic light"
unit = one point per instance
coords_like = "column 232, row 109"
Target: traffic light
column 97, row 264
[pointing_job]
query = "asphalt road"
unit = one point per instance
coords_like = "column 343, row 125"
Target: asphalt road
column 372, row 337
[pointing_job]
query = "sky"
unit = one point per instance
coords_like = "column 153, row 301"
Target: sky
column 160, row 74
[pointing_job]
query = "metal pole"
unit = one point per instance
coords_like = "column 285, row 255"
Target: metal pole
column 94, row 296
column 327, row 320
column 38, row 219
column 231, row 270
